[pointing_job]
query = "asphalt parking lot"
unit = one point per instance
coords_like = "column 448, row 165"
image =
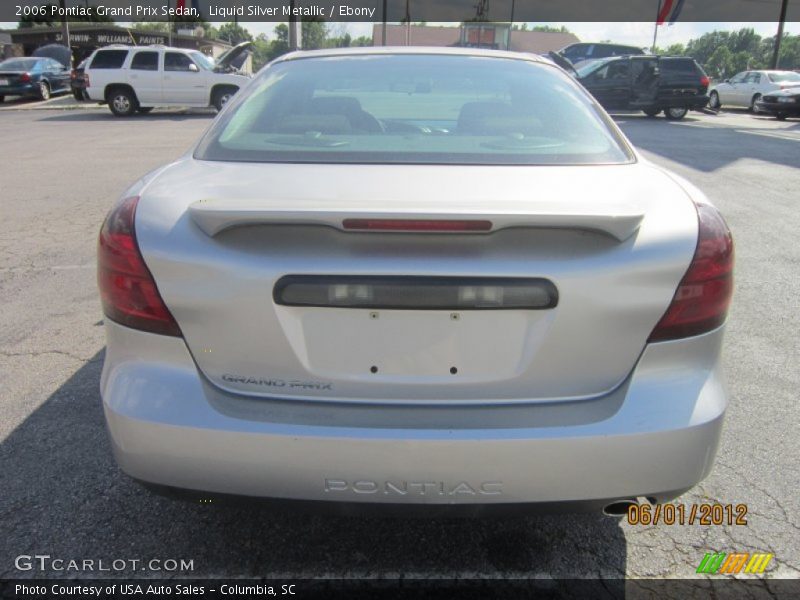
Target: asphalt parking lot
column 62, row 494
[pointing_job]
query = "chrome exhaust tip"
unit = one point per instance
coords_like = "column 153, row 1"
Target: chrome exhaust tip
column 619, row 508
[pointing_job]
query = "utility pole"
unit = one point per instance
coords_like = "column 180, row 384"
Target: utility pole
column 408, row 22
column 776, row 54
column 65, row 29
column 383, row 29
column 295, row 31
column 511, row 27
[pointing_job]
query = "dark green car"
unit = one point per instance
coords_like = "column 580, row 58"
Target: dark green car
column 33, row 77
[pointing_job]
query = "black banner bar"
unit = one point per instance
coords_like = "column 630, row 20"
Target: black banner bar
column 396, row 11
column 727, row 587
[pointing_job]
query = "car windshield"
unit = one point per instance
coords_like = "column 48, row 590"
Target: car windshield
column 203, row 60
column 434, row 109
column 590, row 66
column 18, row 64
column 780, row 77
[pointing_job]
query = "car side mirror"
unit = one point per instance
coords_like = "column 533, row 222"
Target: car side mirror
column 193, row 68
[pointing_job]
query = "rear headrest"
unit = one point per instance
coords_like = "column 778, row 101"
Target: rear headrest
column 334, row 105
column 496, row 118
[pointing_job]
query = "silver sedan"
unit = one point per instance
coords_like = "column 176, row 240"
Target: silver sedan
column 437, row 277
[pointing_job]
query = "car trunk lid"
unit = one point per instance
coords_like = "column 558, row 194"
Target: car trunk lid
column 612, row 241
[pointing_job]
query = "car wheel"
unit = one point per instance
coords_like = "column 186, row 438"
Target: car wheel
column 2, row 99
column 122, row 102
column 77, row 95
column 144, row 109
column 651, row 112
column 713, row 101
column 222, row 96
column 675, row 114
column 753, row 106
column 781, row 116
column 44, row 90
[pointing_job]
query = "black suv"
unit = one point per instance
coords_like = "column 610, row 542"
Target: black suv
column 582, row 51
column 673, row 84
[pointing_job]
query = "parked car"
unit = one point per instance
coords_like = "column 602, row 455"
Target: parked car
column 577, row 53
column 415, row 276
column 745, row 89
column 648, row 83
column 131, row 79
column 783, row 103
column 32, row 77
column 78, row 81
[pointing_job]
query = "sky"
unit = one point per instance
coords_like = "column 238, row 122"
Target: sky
column 634, row 33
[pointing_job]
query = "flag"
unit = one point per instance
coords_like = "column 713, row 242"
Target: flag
column 669, row 11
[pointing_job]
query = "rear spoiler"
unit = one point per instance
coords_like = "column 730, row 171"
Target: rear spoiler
column 214, row 216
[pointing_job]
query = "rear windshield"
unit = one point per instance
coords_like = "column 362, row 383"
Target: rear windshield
column 677, row 65
column 109, row 59
column 413, row 109
column 789, row 76
column 18, row 64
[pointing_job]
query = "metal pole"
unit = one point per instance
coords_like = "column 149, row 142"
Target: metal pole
column 65, row 30
column 408, row 22
column 511, row 28
column 655, row 29
column 776, row 54
column 383, row 32
column 295, row 31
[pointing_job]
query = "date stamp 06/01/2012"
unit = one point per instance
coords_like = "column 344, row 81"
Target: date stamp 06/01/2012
column 687, row 514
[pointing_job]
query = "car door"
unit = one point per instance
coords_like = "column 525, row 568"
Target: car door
column 610, row 84
column 58, row 75
column 183, row 81
column 145, row 75
column 732, row 91
column 645, row 80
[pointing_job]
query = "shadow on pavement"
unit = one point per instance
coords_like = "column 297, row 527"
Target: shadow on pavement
column 64, row 496
column 103, row 114
column 708, row 148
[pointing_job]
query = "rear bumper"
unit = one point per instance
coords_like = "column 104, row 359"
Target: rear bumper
column 655, row 435
column 24, row 89
column 789, row 108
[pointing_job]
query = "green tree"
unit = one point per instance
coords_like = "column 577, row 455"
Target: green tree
column 154, row 26
column 675, row 50
column 234, row 33
column 315, row 34
column 719, row 63
column 362, row 40
column 550, row 29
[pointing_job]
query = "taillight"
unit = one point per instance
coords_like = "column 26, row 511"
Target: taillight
column 86, row 79
column 25, row 77
column 73, row 74
column 701, row 302
column 705, row 81
column 127, row 288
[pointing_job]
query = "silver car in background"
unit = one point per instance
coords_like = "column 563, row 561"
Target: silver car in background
column 746, row 89
column 415, row 276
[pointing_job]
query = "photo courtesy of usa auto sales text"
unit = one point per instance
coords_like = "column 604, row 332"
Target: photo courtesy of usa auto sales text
column 136, row 590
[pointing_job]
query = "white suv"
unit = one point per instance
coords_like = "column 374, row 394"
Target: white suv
column 138, row 78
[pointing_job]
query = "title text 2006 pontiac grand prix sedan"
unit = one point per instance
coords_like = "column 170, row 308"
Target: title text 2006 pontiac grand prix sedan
column 415, row 277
